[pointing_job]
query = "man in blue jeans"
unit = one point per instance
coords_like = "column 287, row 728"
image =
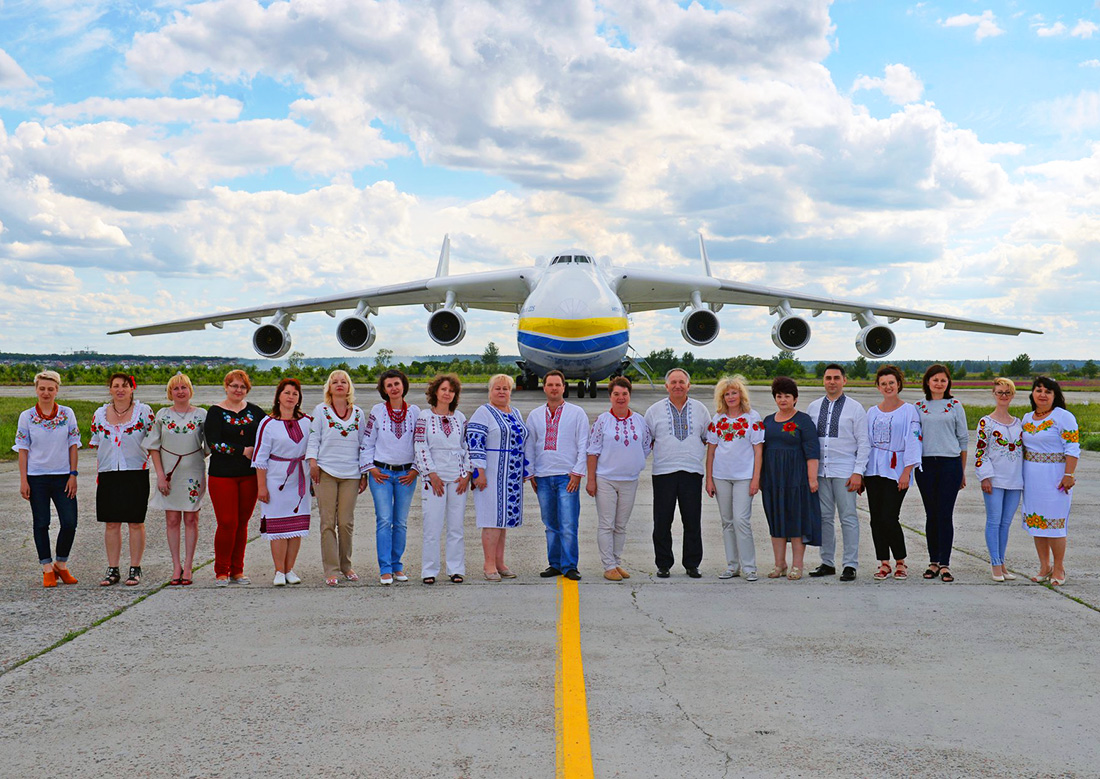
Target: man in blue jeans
column 557, row 444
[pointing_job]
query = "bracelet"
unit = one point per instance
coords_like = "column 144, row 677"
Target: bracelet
column 73, row 473
column 1069, row 475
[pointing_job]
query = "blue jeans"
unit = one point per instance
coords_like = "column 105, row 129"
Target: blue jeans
column 45, row 489
column 391, row 514
column 1000, row 508
column 561, row 513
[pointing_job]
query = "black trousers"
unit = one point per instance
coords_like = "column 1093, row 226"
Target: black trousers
column 669, row 489
column 938, row 480
column 884, row 501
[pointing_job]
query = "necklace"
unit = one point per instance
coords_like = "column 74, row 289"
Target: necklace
column 1042, row 414
column 398, row 417
column 118, row 414
column 38, row 410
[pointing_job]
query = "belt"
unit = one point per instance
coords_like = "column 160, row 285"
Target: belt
column 392, row 467
column 293, row 464
column 1044, row 457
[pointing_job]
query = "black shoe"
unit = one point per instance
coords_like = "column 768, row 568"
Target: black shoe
column 550, row 572
column 823, row 570
column 662, row 573
column 849, row 574
column 572, row 574
column 694, row 573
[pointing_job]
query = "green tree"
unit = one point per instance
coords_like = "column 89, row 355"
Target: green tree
column 382, row 358
column 1020, row 367
column 491, row 355
column 859, row 368
column 819, row 370
column 960, row 372
column 1089, row 369
column 294, row 362
column 1055, row 368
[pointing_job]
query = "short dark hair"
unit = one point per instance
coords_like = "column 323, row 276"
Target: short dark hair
column 890, row 370
column 1050, row 384
column 392, row 373
column 620, row 381
column 288, row 382
column 125, row 377
column 554, row 372
column 833, row 366
column 433, row 389
column 784, row 385
column 934, row 370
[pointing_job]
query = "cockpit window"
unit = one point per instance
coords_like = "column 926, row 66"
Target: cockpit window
column 582, row 258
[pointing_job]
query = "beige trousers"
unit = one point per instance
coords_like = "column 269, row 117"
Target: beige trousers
column 336, row 505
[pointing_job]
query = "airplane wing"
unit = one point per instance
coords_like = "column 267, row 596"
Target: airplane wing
column 646, row 290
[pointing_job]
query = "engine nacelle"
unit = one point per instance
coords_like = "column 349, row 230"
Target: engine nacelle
column 355, row 333
column 271, row 340
column 699, row 326
column 875, row 341
column 446, row 327
column 791, row 332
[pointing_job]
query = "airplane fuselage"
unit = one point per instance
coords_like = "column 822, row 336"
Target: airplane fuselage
column 573, row 322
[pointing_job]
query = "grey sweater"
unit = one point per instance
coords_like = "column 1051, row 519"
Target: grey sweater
column 943, row 427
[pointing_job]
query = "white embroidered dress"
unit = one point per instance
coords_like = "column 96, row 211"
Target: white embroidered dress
column 182, row 443
column 281, row 451
column 1046, row 445
column 497, row 443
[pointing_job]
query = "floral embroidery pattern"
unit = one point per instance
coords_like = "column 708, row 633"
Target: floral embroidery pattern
column 343, row 429
column 1070, row 436
column 553, row 420
column 221, row 448
column 790, row 427
column 1044, row 457
column 60, row 419
column 193, row 490
column 729, row 430
column 1031, row 427
column 1039, row 522
column 925, row 410
column 179, row 427
column 1009, row 450
column 240, row 421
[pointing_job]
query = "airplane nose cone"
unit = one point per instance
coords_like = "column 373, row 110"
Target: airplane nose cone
column 572, row 308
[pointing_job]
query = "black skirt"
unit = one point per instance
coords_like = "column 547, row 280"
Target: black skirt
column 122, row 496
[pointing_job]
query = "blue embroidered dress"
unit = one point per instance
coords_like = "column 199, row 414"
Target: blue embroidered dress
column 496, row 442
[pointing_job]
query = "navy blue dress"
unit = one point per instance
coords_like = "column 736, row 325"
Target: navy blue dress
column 792, row 510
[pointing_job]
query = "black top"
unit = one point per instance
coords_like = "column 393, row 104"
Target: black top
column 228, row 433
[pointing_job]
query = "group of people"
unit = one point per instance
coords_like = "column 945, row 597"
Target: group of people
column 808, row 467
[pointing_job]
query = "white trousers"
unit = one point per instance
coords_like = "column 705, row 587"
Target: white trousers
column 450, row 509
column 836, row 500
column 735, row 508
column 614, row 502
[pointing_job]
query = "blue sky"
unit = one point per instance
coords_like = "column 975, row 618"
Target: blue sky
column 162, row 160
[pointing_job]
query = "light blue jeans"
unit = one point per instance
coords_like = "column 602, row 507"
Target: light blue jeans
column 1000, row 508
column 561, row 512
column 391, row 514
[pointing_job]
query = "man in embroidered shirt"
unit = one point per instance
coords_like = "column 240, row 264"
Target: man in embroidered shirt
column 842, row 431
column 679, row 426
column 557, row 445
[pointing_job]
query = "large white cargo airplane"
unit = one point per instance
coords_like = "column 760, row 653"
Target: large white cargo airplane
column 572, row 313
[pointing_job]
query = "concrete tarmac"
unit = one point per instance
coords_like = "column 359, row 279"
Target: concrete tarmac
column 701, row 677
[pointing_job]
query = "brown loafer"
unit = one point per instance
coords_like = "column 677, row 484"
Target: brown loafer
column 613, row 575
column 623, row 573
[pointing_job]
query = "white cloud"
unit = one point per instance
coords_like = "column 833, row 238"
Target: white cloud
column 1094, row 63
column 11, row 75
column 900, row 84
column 159, row 110
column 1044, row 31
column 1084, row 29
column 1071, row 113
column 986, row 24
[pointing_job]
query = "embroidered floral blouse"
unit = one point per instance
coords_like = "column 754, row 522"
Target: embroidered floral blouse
column 388, row 437
column 119, row 447
column 228, row 434
column 335, row 443
column 439, row 444
column 621, row 445
column 47, row 441
column 999, row 453
column 943, row 427
column 735, row 439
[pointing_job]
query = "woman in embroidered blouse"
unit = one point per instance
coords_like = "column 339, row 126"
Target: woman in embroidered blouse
column 231, row 427
column 440, row 452
column 177, row 447
column 335, row 438
column 387, row 458
column 1051, row 449
column 735, row 454
column 894, row 430
column 496, row 436
column 47, row 439
column 618, row 445
column 122, row 485
column 281, row 481
column 942, row 472
column 999, row 465
column 788, row 480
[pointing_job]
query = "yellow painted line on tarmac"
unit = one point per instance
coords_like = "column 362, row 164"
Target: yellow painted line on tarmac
column 571, row 704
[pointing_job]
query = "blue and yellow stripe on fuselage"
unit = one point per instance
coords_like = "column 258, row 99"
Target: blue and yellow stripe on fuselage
column 574, row 344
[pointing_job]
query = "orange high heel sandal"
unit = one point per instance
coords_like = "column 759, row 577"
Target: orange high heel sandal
column 49, row 579
column 65, row 575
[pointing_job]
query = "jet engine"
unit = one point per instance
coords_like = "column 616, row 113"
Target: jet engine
column 791, row 332
column 355, row 333
column 271, row 340
column 875, row 341
column 446, row 327
column 699, row 326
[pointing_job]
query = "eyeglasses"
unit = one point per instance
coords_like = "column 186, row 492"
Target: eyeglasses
column 1003, row 394
column 238, row 387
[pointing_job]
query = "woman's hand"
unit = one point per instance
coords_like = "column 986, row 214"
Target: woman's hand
column 710, row 488
column 1067, row 483
column 463, row 483
column 962, row 485
column 247, row 451
column 813, row 484
column 362, row 483
column 24, row 489
column 70, row 487
column 262, row 494
column 315, row 473
column 163, row 486
column 408, row 477
column 480, row 481
column 377, row 475
column 754, row 486
column 590, row 488
column 987, row 486
column 903, row 482
column 438, row 487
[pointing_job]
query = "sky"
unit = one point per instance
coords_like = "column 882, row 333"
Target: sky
column 161, row 160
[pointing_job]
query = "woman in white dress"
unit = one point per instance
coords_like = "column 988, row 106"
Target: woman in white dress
column 999, row 465
column 441, row 455
column 122, row 480
column 282, row 484
column 735, row 448
column 1051, row 450
column 177, row 446
column 496, row 436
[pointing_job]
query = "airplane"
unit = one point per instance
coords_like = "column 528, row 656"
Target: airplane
column 573, row 313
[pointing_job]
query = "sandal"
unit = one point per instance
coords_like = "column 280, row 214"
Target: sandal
column 882, row 572
column 457, row 578
column 134, row 577
column 111, row 577
column 777, row 572
column 930, row 572
column 945, row 574
column 901, row 571
column 332, row 581
column 187, row 582
column 428, row 580
column 351, row 576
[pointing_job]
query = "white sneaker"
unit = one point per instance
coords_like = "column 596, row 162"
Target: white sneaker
column 729, row 573
column 751, row 576
column 401, row 577
column 293, row 578
column 280, row 579
column 219, row 582
column 384, row 580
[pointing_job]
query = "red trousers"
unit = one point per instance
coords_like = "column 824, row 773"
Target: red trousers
column 234, row 499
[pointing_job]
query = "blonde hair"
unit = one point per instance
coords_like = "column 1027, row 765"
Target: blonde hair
column 1001, row 381
column 502, row 377
column 351, row 386
column 727, row 383
column 177, row 380
column 53, row 376
column 238, row 374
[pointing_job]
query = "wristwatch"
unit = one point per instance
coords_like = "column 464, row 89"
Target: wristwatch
column 73, row 473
